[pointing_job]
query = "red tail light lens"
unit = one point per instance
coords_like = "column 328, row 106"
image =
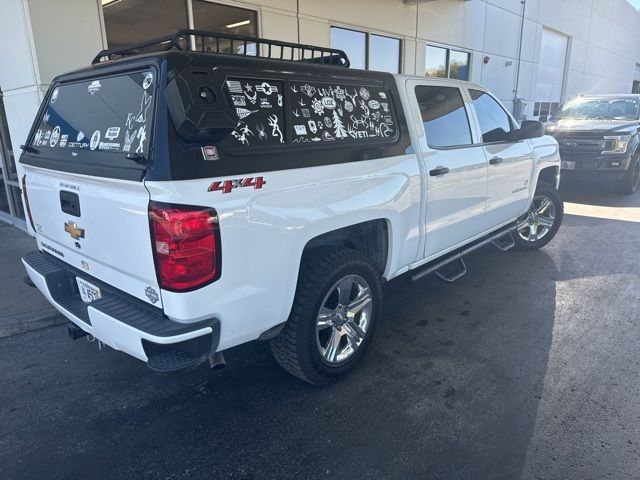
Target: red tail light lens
column 186, row 245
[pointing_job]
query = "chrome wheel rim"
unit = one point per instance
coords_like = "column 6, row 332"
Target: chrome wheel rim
column 344, row 319
column 539, row 220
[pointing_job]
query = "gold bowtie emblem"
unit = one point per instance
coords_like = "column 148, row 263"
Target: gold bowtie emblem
column 72, row 229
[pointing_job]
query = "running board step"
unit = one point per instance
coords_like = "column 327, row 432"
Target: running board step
column 505, row 242
column 501, row 239
column 452, row 271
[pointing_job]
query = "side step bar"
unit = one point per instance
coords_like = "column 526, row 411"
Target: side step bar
column 450, row 275
column 454, row 263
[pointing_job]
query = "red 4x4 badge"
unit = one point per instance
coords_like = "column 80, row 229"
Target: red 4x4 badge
column 225, row 186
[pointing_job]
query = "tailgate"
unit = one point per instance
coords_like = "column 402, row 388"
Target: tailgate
column 97, row 225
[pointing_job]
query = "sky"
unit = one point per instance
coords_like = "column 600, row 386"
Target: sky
column 635, row 3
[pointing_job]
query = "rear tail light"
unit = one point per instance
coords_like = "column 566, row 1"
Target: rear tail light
column 186, row 245
column 26, row 201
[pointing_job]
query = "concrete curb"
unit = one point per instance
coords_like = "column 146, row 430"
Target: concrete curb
column 29, row 321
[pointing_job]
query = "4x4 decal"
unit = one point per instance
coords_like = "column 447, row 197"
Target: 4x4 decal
column 225, row 186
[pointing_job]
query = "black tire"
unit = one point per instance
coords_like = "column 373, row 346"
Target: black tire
column 631, row 181
column 296, row 348
column 548, row 191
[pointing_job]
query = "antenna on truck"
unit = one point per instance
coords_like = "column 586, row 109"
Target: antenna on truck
column 227, row 44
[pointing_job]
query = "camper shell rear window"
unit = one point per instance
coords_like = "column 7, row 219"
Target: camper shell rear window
column 109, row 115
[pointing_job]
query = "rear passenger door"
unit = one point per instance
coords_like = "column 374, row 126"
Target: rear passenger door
column 510, row 162
column 456, row 169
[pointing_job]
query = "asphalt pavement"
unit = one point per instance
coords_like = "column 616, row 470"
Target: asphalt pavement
column 22, row 308
column 526, row 368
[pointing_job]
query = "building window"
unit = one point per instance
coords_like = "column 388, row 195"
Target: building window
column 545, row 109
column 133, row 21
column 447, row 62
column 214, row 17
column 368, row 51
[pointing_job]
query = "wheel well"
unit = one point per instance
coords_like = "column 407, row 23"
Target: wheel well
column 369, row 238
column 549, row 175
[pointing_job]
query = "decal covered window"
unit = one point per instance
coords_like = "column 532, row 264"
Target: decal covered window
column 260, row 108
column 329, row 113
column 109, row 114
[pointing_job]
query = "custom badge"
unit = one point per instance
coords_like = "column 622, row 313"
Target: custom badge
column 308, row 90
column 72, row 229
column 55, row 136
column 95, row 140
column 54, row 95
column 148, row 80
column 151, row 294
column 112, row 133
column 266, row 88
column 94, row 87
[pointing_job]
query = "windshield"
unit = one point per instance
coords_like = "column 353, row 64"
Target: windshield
column 109, row 114
column 599, row 109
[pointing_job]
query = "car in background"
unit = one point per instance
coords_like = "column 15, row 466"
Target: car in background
column 598, row 138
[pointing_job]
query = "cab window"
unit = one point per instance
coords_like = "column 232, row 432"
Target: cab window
column 443, row 115
column 495, row 124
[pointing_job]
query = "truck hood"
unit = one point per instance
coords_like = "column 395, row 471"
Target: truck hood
column 603, row 127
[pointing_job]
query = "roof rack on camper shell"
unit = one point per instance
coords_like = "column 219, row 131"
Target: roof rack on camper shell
column 264, row 48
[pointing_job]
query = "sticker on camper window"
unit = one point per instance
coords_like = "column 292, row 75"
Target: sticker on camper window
column 341, row 113
column 259, row 105
column 115, row 117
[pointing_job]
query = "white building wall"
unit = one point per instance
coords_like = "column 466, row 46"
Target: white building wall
column 40, row 39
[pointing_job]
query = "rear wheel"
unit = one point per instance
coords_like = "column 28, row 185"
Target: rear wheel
column 631, row 181
column 539, row 225
column 333, row 317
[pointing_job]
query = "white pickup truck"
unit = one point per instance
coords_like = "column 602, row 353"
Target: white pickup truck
column 185, row 202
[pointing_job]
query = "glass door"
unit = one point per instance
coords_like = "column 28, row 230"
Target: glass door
column 11, row 209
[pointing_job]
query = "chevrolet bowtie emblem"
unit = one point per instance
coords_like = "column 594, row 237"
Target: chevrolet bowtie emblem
column 72, row 229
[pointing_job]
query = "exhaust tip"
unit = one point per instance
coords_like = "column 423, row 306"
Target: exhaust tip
column 216, row 361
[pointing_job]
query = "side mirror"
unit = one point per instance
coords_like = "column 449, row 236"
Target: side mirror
column 530, row 129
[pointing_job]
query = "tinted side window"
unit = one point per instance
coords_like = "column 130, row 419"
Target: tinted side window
column 494, row 122
column 443, row 115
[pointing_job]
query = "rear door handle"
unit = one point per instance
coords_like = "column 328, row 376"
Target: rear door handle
column 496, row 160
column 436, row 172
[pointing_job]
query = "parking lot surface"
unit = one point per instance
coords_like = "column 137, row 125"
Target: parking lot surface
column 527, row 367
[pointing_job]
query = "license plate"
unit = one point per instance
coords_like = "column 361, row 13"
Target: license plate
column 88, row 291
column 568, row 165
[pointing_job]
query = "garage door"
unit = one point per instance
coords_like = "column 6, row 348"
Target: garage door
column 553, row 57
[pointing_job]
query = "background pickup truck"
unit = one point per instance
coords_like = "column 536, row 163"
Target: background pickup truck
column 599, row 138
column 187, row 202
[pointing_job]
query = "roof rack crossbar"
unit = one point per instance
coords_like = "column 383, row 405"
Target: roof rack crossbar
column 298, row 51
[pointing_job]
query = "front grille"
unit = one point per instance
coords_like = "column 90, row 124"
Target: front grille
column 576, row 144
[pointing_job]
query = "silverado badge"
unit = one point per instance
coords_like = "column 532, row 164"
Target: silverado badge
column 72, row 229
